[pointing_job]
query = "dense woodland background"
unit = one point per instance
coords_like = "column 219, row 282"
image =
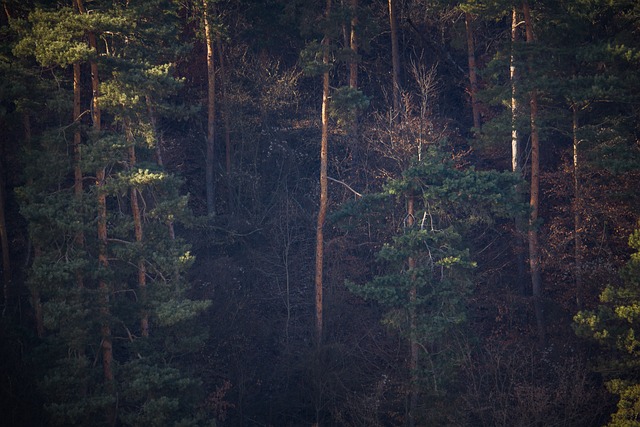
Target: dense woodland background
column 338, row 213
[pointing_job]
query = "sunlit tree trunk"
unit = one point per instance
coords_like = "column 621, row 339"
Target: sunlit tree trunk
column 515, row 150
column 395, row 57
column 211, row 110
column 322, row 212
column 153, row 118
column 473, row 78
column 534, row 201
column 516, row 157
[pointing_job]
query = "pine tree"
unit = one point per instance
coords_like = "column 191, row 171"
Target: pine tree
column 614, row 326
column 133, row 303
column 426, row 268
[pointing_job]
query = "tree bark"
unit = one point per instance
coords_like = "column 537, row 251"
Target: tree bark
column 353, row 44
column 473, row 78
column 516, row 157
column 353, row 79
column 153, row 116
column 395, row 58
column 534, row 201
column 211, row 110
column 413, row 324
column 103, row 286
column 322, row 212
column 4, row 240
column 577, row 208
column 515, row 150
column 138, row 232
column 77, row 157
column 36, row 301
column 227, row 126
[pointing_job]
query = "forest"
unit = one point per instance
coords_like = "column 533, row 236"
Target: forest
column 320, row 213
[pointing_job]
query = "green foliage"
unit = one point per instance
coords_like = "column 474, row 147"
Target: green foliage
column 311, row 59
column 78, row 298
column 426, row 268
column 345, row 104
column 614, row 325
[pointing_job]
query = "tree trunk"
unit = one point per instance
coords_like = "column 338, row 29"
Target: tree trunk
column 77, row 157
column 78, row 194
column 577, row 208
column 153, row 116
column 353, row 80
column 211, row 110
column 534, row 201
column 322, row 212
column 4, row 240
column 103, row 286
column 137, row 227
column 36, row 301
column 516, row 157
column 353, row 43
column 227, row 126
column 413, row 325
column 515, row 150
column 473, row 78
column 395, row 58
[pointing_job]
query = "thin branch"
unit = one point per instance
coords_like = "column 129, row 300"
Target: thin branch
column 346, row 185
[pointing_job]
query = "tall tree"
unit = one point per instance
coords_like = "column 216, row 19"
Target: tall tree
column 473, row 74
column 353, row 44
column 211, row 108
column 534, row 202
column 424, row 281
column 613, row 325
column 139, row 281
column 224, row 83
column 4, row 241
column 395, row 58
column 324, row 159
